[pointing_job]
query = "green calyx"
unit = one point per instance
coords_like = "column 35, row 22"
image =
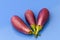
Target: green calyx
column 33, row 27
column 38, row 28
column 31, row 32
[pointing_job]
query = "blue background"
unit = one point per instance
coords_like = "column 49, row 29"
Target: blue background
column 8, row 8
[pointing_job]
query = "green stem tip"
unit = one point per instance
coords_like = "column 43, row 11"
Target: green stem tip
column 38, row 28
column 33, row 27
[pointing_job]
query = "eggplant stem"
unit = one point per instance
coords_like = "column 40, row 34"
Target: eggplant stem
column 38, row 28
column 30, row 32
column 33, row 27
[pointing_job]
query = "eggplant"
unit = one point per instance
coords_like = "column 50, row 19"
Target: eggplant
column 19, row 25
column 41, row 19
column 30, row 18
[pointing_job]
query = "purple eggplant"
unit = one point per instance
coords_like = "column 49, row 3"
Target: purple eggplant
column 29, row 16
column 41, row 19
column 19, row 25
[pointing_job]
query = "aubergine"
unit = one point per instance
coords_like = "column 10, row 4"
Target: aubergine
column 19, row 25
column 41, row 19
column 30, row 18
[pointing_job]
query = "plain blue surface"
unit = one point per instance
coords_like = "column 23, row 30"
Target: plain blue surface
column 8, row 8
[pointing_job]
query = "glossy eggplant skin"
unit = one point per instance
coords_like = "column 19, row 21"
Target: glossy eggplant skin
column 19, row 25
column 41, row 20
column 30, row 18
column 29, row 15
column 43, row 17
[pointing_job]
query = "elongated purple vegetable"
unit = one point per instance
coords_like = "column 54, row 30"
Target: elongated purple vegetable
column 29, row 15
column 41, row 20
column 19, row 25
